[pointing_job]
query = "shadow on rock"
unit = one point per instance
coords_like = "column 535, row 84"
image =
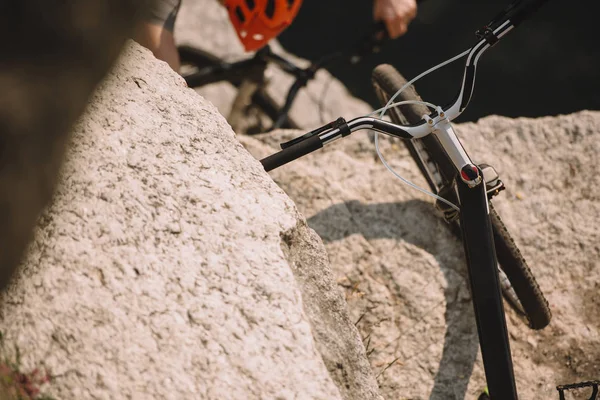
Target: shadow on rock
column 56, row 55
column 415, row 222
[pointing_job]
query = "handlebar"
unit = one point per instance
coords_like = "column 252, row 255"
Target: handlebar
column 326, row 134
column 513, row 15
column 520, row 10
column 291, row 153
column 489, row 35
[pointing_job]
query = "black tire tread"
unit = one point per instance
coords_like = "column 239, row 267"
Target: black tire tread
column 387, row 77
column 519, row 274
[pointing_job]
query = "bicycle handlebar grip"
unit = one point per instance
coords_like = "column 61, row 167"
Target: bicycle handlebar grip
column 291, row 153
column 523, row 9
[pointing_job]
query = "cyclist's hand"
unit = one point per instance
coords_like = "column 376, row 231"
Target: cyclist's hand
column 396, row 14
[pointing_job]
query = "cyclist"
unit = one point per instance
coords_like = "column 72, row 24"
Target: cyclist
column 255, row 26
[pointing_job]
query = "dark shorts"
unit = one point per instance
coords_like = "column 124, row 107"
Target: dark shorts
column 163, row 13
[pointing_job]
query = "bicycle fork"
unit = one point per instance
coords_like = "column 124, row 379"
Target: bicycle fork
column 482, row 265
column 485, row 289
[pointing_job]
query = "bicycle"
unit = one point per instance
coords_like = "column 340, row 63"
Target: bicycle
column 454, row 179
column 249, row 77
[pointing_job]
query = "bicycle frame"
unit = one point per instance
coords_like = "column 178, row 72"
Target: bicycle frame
column 482, row 264
column 236, row 72
column 471, row 193
column 249, row 74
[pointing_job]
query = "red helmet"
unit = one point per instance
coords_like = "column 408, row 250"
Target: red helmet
column 258, row 21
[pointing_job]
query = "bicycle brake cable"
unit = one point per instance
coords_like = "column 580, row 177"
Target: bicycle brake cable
column 396, row 174
column 391, row 104
column 430, row 70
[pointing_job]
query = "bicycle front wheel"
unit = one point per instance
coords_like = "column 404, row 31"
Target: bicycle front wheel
column 519, row 286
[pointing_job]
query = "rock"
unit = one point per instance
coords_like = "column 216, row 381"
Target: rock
column 56, row 55
column 336, row 337
column 169, row 265
column 404, row 273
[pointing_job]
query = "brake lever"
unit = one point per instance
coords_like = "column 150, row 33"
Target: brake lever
column 330, row 126
column 372, row 42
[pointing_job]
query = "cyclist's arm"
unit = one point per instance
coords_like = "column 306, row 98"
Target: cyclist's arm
column 396, row 14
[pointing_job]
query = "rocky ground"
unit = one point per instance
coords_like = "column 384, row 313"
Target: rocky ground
column 404, row 272
column 170, row 266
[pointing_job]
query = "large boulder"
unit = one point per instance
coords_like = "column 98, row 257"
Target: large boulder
column 404, row 272
column 170, row 266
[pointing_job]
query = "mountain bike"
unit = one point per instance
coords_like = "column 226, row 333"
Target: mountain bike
column 200, row 68
column 462, row 188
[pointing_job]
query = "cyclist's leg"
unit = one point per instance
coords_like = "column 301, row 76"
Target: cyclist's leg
column 155, row 32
